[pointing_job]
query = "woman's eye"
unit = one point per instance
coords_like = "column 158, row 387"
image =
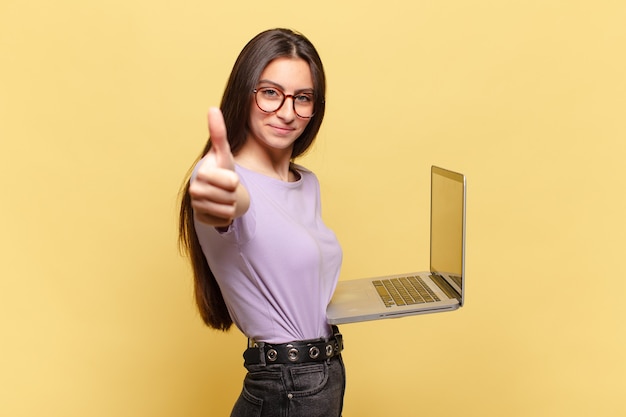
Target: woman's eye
column 270, row 93
column 304, row 98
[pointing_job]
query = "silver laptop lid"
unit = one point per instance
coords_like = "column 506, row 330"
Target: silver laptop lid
column 447, row 227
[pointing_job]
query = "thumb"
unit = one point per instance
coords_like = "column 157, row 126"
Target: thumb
column 219, row 139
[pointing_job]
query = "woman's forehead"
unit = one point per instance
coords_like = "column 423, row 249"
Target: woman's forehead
column 288, row 73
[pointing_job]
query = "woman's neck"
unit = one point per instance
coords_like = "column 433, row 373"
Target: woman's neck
column 275, row 165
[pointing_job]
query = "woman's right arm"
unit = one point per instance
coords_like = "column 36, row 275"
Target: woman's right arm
column 217, row 195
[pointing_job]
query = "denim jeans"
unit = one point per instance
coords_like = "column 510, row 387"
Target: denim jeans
column 314, row 389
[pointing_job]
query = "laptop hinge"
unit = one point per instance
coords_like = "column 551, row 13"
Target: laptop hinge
column 445, row 287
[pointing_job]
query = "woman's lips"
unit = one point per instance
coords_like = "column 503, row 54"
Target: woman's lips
column 282, row 130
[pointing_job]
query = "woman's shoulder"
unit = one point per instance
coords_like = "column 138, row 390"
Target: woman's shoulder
column 303, row 171
column 308, row 179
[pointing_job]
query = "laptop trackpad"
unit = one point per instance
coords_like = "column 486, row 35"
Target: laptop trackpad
column 357, row 295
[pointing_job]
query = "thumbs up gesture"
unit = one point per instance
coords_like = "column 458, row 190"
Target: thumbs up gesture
column 217, row 197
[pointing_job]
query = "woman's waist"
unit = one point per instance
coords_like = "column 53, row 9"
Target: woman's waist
column 297, row 351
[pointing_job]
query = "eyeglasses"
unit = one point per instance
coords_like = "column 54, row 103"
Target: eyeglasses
column 271, row 99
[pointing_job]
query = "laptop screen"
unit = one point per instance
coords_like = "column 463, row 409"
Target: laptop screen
column 447, row 226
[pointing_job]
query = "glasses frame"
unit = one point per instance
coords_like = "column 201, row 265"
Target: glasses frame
column 282, row 103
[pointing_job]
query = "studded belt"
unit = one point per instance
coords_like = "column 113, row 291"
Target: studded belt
column 317, row 350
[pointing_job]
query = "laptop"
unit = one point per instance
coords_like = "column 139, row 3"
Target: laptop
column 439, row 289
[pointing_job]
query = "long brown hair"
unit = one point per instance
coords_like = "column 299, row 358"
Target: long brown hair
column 235, row 106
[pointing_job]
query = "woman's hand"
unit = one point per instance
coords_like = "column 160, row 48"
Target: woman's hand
column 216, row 194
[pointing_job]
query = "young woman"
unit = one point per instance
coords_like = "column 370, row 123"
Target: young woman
column 250, row 222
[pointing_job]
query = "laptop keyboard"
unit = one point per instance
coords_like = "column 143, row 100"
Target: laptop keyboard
column 457, row 280
column 404, row 291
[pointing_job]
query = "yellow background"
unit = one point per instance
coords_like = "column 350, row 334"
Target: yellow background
column 102, row 111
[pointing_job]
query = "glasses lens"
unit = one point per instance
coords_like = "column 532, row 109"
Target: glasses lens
column 303, row 104
column 271, row 99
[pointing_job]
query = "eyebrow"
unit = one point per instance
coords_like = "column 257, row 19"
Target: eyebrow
column 302, row 90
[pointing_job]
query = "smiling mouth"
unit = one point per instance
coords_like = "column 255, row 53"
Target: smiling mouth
column 282, row 129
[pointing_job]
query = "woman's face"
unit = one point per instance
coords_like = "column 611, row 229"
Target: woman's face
column 278, row 130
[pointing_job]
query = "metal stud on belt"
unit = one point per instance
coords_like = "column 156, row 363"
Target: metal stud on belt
column 272, row 355
column 314, row 352
column 292, row 353
column 329, row 350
